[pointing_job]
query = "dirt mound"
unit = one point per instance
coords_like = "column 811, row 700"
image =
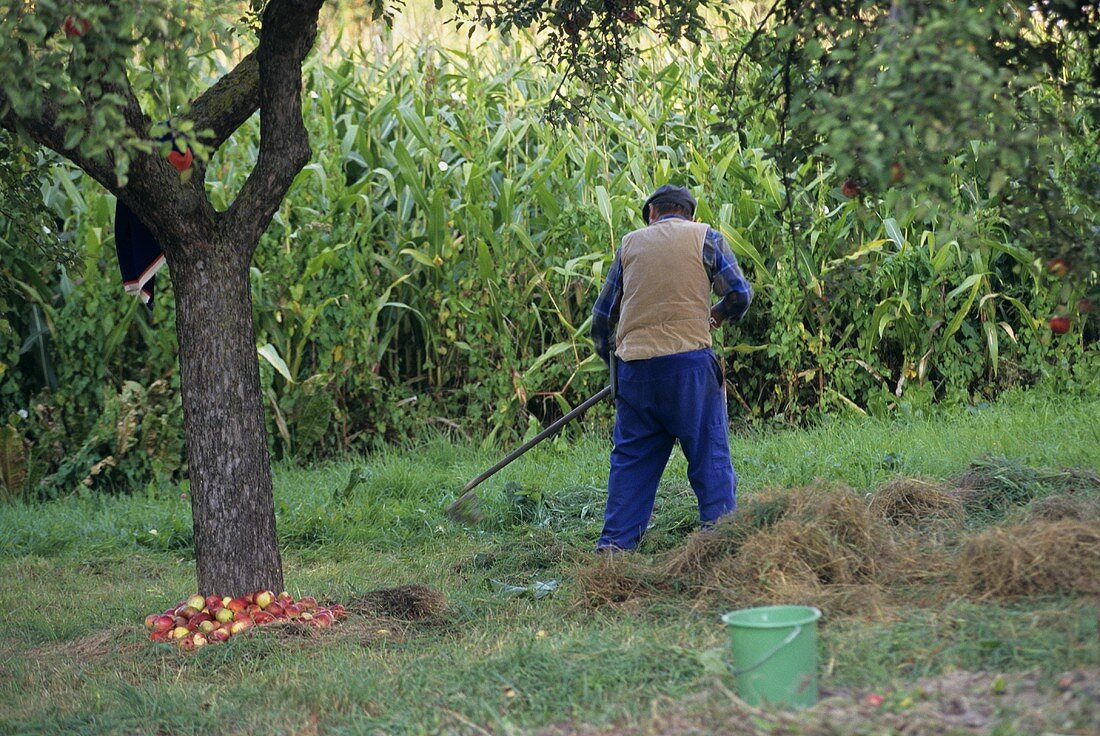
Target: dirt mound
column 388, row 614
column 1032, row 559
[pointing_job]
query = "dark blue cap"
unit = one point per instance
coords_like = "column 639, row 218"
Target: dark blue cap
column 668, row 194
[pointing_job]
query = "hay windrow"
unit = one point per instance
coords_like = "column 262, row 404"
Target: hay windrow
column 783, row 548
column 919, row 561
column 1034, row 559
column 692, row 562
column 906, row 544
column 1066, row 507
column 993, row 486
column 916, row 503
column 862, row 542
column 746, row 581
column 614, row 579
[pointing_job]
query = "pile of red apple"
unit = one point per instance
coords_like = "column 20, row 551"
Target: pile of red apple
column 199, row 621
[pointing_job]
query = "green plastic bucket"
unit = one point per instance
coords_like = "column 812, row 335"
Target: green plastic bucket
column 774, row 652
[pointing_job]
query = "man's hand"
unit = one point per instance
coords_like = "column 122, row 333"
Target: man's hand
column 715, row 319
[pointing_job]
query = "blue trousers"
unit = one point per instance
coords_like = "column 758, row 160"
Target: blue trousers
column 661, row 400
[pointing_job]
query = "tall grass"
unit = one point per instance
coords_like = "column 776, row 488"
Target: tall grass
column 435, row 265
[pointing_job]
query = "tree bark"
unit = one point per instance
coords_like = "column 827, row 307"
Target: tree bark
column 236, row 551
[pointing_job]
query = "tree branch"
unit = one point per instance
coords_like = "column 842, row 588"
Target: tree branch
column 229, row 102
column 44, row 130
column 288, row 32
column 150, row 178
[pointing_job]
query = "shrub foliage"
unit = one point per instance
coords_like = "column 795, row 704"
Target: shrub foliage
column 436, row 264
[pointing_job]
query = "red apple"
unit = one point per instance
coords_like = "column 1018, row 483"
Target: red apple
column 158, row 636
column 308, row 603
column 243, row 625
column 275, row 609
column 178, row 621
column 263, row 617
column 242, row 616
column 264, row 598
column 1059, row 325
column 187, row 644
column 284, row 597
column 76, row 27
column 198, row 620
column 849, row 188
column 292, row 610
column 187, row 611
column 199, row 640
column 213, row 603
column 181, row 161
column 219, row 635
column 150, row 620
column 253, row 609
column 338, row 611
column 163, row 623
column 237, row 604
column 223, row 615
column 324, row 619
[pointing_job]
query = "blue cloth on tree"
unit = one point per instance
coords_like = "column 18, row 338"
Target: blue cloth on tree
column 139, row 254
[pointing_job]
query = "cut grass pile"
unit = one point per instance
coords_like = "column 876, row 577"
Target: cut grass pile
column 852, row 553
column 1042, row 558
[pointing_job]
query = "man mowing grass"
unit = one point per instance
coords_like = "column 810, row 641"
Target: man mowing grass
column 652, row 324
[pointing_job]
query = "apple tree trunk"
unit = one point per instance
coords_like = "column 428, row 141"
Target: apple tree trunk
column 236, row 549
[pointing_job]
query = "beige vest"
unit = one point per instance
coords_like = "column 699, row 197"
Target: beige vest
column 666, row 291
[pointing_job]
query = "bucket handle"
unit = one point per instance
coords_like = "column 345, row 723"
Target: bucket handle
column 771, row 652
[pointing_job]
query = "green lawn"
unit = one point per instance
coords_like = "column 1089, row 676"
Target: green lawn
column 82, row 574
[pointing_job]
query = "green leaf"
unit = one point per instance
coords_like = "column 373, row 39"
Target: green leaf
column 894, row 232
column 484, row 261
column 269, row 353
column 603, row 204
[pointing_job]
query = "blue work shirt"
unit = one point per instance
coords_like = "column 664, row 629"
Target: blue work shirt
column 725, row 277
